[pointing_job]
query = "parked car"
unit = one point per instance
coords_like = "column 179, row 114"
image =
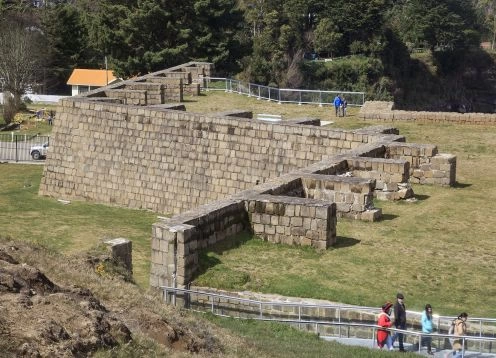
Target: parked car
column 39, row 151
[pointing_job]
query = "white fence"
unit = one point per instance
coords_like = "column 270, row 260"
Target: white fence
column 281, row 95
column 38, row 98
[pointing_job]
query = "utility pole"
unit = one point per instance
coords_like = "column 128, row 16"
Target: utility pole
column 106, row 69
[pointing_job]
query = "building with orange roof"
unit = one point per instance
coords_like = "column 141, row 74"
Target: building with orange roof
column 84, row 80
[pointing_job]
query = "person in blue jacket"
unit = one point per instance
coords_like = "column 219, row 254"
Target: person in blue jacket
column 427, row 328
column 337, row 104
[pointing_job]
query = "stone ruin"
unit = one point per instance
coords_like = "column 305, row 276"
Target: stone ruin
column 133, row 144
column 385, row 111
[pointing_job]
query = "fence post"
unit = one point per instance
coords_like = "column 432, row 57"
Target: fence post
column 16, row 150
column 299, row 316
column 480, row 335
column 320, row 98
column 261, row 314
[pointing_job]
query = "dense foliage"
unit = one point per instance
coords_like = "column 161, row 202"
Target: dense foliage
column 263, row 41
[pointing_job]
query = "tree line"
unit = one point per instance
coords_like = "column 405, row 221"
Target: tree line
column 263, row 41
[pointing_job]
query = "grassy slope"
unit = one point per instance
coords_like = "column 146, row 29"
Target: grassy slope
column 69, row 228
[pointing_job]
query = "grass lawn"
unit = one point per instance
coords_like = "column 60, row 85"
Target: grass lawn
column 440, row 249
column 32, row 127
column 270, row 339
column 71, row 228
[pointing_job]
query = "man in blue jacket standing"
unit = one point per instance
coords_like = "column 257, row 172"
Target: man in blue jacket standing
column 337, row 104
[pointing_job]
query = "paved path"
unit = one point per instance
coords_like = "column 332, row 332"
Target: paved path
column 437, row 354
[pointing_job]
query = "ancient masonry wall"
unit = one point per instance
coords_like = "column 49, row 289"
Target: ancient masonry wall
column 119, row 154
column 383, row 111
column 293, row 221
column 223, row 174
column 176, row 242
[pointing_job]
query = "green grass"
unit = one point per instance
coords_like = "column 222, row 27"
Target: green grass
column 439, row 250
column 277, row 340
column 31, row 126
column 71, row 228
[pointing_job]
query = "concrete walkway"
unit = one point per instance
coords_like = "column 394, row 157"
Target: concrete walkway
column 447, row 353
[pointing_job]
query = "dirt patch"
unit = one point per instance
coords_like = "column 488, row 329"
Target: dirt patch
column 40, row 318
column 45, row 317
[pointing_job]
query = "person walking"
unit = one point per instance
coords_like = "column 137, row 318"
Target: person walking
column 337, row 104
column 399, row 319
column 384, row 321
column 460, row 329
column 427, row 328
column 344, row 105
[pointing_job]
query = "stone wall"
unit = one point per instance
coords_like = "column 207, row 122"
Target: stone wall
column 119, row 154
column 383, row 111
column 270, row 306
column 176, row 242
column 286, row 182
column 427, row 166
column 293, row 221
column 391, row 176
column 353, row 196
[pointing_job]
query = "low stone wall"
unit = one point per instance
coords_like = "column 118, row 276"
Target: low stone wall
column 154, row 91
column 246, row 305
column 391, row 176
column 176, row 242
column 383, row 111
column 128, row 97
column 121, row 145
column 427, row 166
column 293, row 221
column 353, row 196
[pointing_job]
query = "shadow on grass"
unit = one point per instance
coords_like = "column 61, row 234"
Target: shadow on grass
column 421, row 197
column 388, row 217
column 208, row 258
column 461, row 185
column 231, row 243
column 342, row 242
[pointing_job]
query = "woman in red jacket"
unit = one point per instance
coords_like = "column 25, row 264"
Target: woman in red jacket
column 384, row 320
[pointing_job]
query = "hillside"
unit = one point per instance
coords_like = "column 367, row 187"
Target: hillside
column 52, row 305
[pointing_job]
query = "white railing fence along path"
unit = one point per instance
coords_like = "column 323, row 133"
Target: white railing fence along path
column 337, row 323
column 280, row 95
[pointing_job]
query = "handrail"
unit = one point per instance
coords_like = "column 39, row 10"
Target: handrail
column 339, row 308
column 277, row 94
column 374, row 328
column 310, row 305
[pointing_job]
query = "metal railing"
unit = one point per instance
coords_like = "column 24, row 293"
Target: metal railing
column 16, row 147
column 218, row 304
column 280, row 95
